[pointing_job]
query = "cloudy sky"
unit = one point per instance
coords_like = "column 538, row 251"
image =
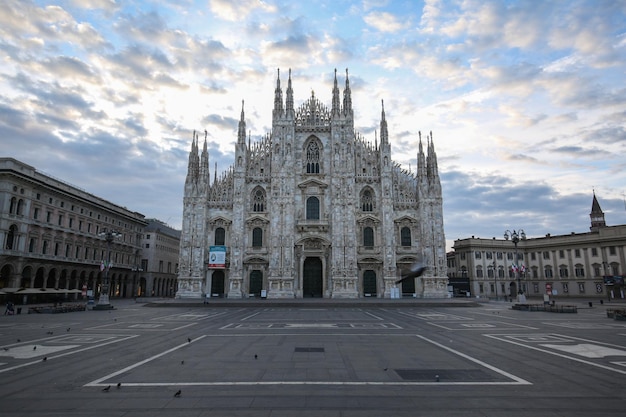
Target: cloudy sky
column 526, row 99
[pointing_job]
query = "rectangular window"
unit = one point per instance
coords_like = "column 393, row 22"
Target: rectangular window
column 60, row 220
column 144, row 264
column 546, row 255
column 48, row 216
column 509, row 256
column 36, row 213
column 594, row 251
column 577, row 253
column 160, row 266
column 533, row 256
column 611, row 250
column 561, row 254
column 478, row 255
column 71, row 222
column 499, row 255
column 257, row 237
column 368, row 237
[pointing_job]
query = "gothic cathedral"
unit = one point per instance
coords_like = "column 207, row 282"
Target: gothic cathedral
column 312, row 210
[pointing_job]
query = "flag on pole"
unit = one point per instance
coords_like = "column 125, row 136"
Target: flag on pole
column 514, row 268
column 101, row 266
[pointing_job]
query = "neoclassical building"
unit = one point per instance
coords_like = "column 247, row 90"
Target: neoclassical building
column 312, row 209
column 589, row 264
column 52, row 244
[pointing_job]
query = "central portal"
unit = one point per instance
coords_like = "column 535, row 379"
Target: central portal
column 312, row 285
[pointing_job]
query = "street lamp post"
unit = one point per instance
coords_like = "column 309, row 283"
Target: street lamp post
column 103, row 300
column 515, row 238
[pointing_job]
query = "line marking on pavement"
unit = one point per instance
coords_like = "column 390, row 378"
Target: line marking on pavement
column 373, row 315
column 128, row 368
column 514, row 379
column 250, row 316
column 504, row 338
column 518, row 380
column 134, row 326
column 480, row 326
column 122, row 338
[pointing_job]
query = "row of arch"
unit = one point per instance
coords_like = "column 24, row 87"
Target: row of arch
column 259, row 202
column 121, row 284
column 311, row 284
column 368, row 237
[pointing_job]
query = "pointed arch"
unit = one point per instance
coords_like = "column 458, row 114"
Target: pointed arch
column 313, row 155
column 258, row 199
column 367, row 199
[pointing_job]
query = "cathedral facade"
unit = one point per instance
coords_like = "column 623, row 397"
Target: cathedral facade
column 312, row 210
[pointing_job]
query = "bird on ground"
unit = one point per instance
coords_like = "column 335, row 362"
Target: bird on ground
column 68, row 329
column 182, row 362
column 415, row 271
column 106, row 389
column 6, row 349
column 119, row 385
column 19, row 340
column 256, row 356
column 177, row 394
column 45, row 358
column 34, row 347
column 189, row 340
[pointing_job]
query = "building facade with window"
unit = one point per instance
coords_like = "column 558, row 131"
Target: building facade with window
column 159, row 258
column 587, row 264
column 312, row 209
column 51, row 235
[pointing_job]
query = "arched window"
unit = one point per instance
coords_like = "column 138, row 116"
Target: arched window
column 312, row 208
column 258, row 200
column 405, row 236
column 13, row 205
column 20, row 207
column 368, row 237
column 220, row 236
column 313, row 158
column 12, row 238
column 367, row 201
column 257, row 237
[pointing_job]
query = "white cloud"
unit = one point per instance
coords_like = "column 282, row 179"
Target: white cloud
column 386, row 22
column 239, row 10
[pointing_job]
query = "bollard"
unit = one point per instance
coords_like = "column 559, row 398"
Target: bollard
column 601, row 301
column 590, row 304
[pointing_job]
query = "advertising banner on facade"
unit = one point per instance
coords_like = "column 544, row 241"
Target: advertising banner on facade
column 217, row 257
